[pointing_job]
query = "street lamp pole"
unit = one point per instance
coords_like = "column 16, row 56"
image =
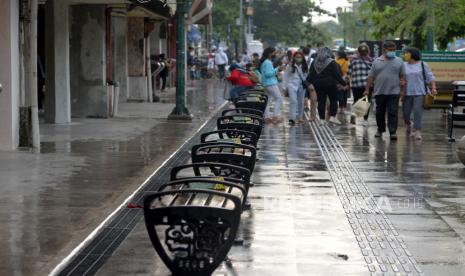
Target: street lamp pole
column 430, row 26
column 241, row 32
column 180, row 112
column 340, row 15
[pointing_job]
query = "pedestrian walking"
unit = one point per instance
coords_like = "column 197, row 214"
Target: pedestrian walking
column 359, row 68
column 270, row 82
column 294, row 82
column 306, row 51
column 388, row 76
column 245, row 58
column 325, row 75
column 343, row 94
column 165, row 72
column 221, row 60
column 418, row 75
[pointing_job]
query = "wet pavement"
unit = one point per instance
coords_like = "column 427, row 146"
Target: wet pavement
column 50, row 201
column 326, row 201
column 408, row 218
column 420, row 186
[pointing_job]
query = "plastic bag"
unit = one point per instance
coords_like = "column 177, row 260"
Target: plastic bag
column 361, row 107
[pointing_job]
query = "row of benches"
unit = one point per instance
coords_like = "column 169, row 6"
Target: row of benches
column 193, row 220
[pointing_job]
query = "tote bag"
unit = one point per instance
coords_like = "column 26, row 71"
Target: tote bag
column 361, row 107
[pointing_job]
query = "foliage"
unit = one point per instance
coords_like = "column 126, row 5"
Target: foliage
column 224, row 15
column 282, row 20
column 410, row 19
column 275, row 20
column 316, row 33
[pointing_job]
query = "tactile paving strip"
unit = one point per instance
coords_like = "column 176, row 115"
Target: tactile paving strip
column 384, row 251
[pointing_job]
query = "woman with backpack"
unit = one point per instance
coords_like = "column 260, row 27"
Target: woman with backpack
column 270, row 82
column 294, row 78
column 418, row 76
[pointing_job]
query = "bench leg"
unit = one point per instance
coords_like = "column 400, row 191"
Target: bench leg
column 450, row 127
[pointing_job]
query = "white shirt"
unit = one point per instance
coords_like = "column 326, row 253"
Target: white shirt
column 293, row 81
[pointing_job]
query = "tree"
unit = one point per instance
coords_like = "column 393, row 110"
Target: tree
column 409, row 19
column 224, row 15
column 282, row 20
column 314, row 34
column 275, row 20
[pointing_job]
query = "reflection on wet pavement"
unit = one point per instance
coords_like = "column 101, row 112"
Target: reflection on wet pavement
column 290, row 229
column 424, row 186
column 51, row 201
column 297, row 226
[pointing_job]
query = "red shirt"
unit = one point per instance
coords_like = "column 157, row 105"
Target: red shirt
column 240, row 78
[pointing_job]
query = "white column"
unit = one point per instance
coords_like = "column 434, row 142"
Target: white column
column 58, row 95
column 9, row 74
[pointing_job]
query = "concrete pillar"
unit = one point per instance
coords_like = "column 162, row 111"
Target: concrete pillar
column 136, row 56
column 120, row 55
column 57, row 94
column 156, row 47
column 88, row 61
column 9, row 74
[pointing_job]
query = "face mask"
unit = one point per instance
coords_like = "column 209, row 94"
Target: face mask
column 391, row 54
column 407, row 57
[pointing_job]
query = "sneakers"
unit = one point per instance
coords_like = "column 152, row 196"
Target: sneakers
column 418, row 135
column 393, row 137
column 322, row 123
column 334, row 120
column 365, row 123
column 291, row 122
column 378, row 134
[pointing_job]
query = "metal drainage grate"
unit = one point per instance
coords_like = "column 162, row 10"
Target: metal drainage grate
column 104, row 244
column 383, row 249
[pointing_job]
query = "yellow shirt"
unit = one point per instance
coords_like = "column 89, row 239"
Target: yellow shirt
column 344, row 63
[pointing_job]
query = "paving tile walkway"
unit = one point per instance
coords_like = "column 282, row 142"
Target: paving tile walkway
column 50, row 201
column 299, row 223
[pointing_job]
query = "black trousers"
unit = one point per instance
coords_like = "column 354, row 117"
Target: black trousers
column 389, row 104
column 222, row 71
column 323, row 93
column 342, row 97
column 358, row 94
column 163, row 81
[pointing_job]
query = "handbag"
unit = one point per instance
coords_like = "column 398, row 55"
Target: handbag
column 429, row 99
column 361, row 107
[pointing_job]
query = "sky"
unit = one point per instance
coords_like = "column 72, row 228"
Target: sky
column 329, row 5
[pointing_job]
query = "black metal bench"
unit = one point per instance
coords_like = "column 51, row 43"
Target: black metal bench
column 458, row 100
column 246, row 122
column 242, row 111
column 193, row 220
column 192, row 229
column 230, row 136
column 218, row 171
column 234, row 154
column 257, row 101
